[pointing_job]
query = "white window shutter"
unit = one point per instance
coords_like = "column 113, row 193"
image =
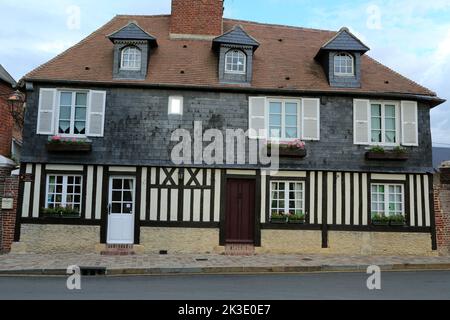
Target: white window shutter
column 361, row 117
column 257, row 118
column 46, row 116
column 410, row 130
column 311, row 119
column 96, row 118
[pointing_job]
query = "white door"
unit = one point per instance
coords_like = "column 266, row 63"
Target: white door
column 121, row 210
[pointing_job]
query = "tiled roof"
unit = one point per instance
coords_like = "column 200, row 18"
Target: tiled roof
column 284, row 60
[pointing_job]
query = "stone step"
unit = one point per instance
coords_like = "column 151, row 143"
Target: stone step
column 239, row 250
column 118, row 250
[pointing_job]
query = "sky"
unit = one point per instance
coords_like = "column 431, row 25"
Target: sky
column 409, row 36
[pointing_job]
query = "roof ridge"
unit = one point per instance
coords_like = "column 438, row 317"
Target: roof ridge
column 278, row 25
column 430, row 92
column 70, row 48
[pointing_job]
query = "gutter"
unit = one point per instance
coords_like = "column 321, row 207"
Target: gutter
column 433, row 100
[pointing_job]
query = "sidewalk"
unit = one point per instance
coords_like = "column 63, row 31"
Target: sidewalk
column 208, row 264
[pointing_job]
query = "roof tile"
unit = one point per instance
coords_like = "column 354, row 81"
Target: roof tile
column 284, row 52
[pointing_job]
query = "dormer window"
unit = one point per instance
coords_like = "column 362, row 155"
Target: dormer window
column 131, row 59
column 235, row 62
column 344, row 65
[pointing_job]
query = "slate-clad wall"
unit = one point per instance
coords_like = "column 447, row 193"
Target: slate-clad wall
column 138, row 131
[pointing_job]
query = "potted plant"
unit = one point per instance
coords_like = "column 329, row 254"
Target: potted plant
column 379, row 153
column 380, row 220
column 278, row 218
column 60, row 144
column 397, row 220
column 59, row 212
column 290, row 149
column 297, row 218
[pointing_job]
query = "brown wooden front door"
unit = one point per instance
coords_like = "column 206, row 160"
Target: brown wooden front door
column 240, row 211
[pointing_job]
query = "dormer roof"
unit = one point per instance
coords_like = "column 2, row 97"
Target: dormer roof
column 346, row 41
column 236, row 36
column 132, row 31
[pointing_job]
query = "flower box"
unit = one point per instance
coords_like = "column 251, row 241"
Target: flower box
column 297, row 221
column 278, row 220
column 380, row 223
column 60, row 216
column 397, row 223
column 59, row 144
column 293, row 149
column 387, row 155
column 81, row 147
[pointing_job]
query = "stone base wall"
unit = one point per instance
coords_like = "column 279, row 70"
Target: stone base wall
column 9, row 188
column 290, row 242
column 46, row 239
column 348, row 243
column 180, row 240
column 442, row 211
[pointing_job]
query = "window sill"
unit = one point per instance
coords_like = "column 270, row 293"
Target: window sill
column 387, row 156
column 58, row 216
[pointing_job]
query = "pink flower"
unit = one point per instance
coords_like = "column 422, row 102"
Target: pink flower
column 56, row 138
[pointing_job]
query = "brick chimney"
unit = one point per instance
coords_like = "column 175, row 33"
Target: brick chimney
column 197, row 19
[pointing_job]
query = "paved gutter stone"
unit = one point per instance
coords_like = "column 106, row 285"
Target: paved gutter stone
column 212, row 264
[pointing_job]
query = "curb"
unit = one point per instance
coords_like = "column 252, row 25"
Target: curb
column 231, row 270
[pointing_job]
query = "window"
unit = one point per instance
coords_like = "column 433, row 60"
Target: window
column 176, row 105
column 64, row 191
column 287, row 198
column 284, row 119
column 72, row 113
column 343, row 64
column 384, row 128
column 131, row 59
column 387, row 200
column 235, row 62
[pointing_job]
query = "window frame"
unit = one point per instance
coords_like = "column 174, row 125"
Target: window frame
column 72, row 133
column 386, row 198
column 283, row 119
column 64, row 189
column 383, row 123
column 231, row 51
column 170, row 110
column 286, row 195
column 344, row 74
column 122, row 53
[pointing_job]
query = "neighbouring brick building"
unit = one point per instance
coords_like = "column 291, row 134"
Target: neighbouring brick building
column 97, row 145
column 442, row 207
column 10, row 144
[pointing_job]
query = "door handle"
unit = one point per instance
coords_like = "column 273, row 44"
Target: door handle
column 109, row 209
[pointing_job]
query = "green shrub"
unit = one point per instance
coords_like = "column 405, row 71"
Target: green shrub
column 298, row 216
column 397, row 218
column 377, row 149
column 379, row 218
column 59, row 212
column 400, row 150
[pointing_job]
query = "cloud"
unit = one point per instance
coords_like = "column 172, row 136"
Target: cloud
column 414, row 38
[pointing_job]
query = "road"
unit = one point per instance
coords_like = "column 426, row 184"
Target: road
column 395, row 285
